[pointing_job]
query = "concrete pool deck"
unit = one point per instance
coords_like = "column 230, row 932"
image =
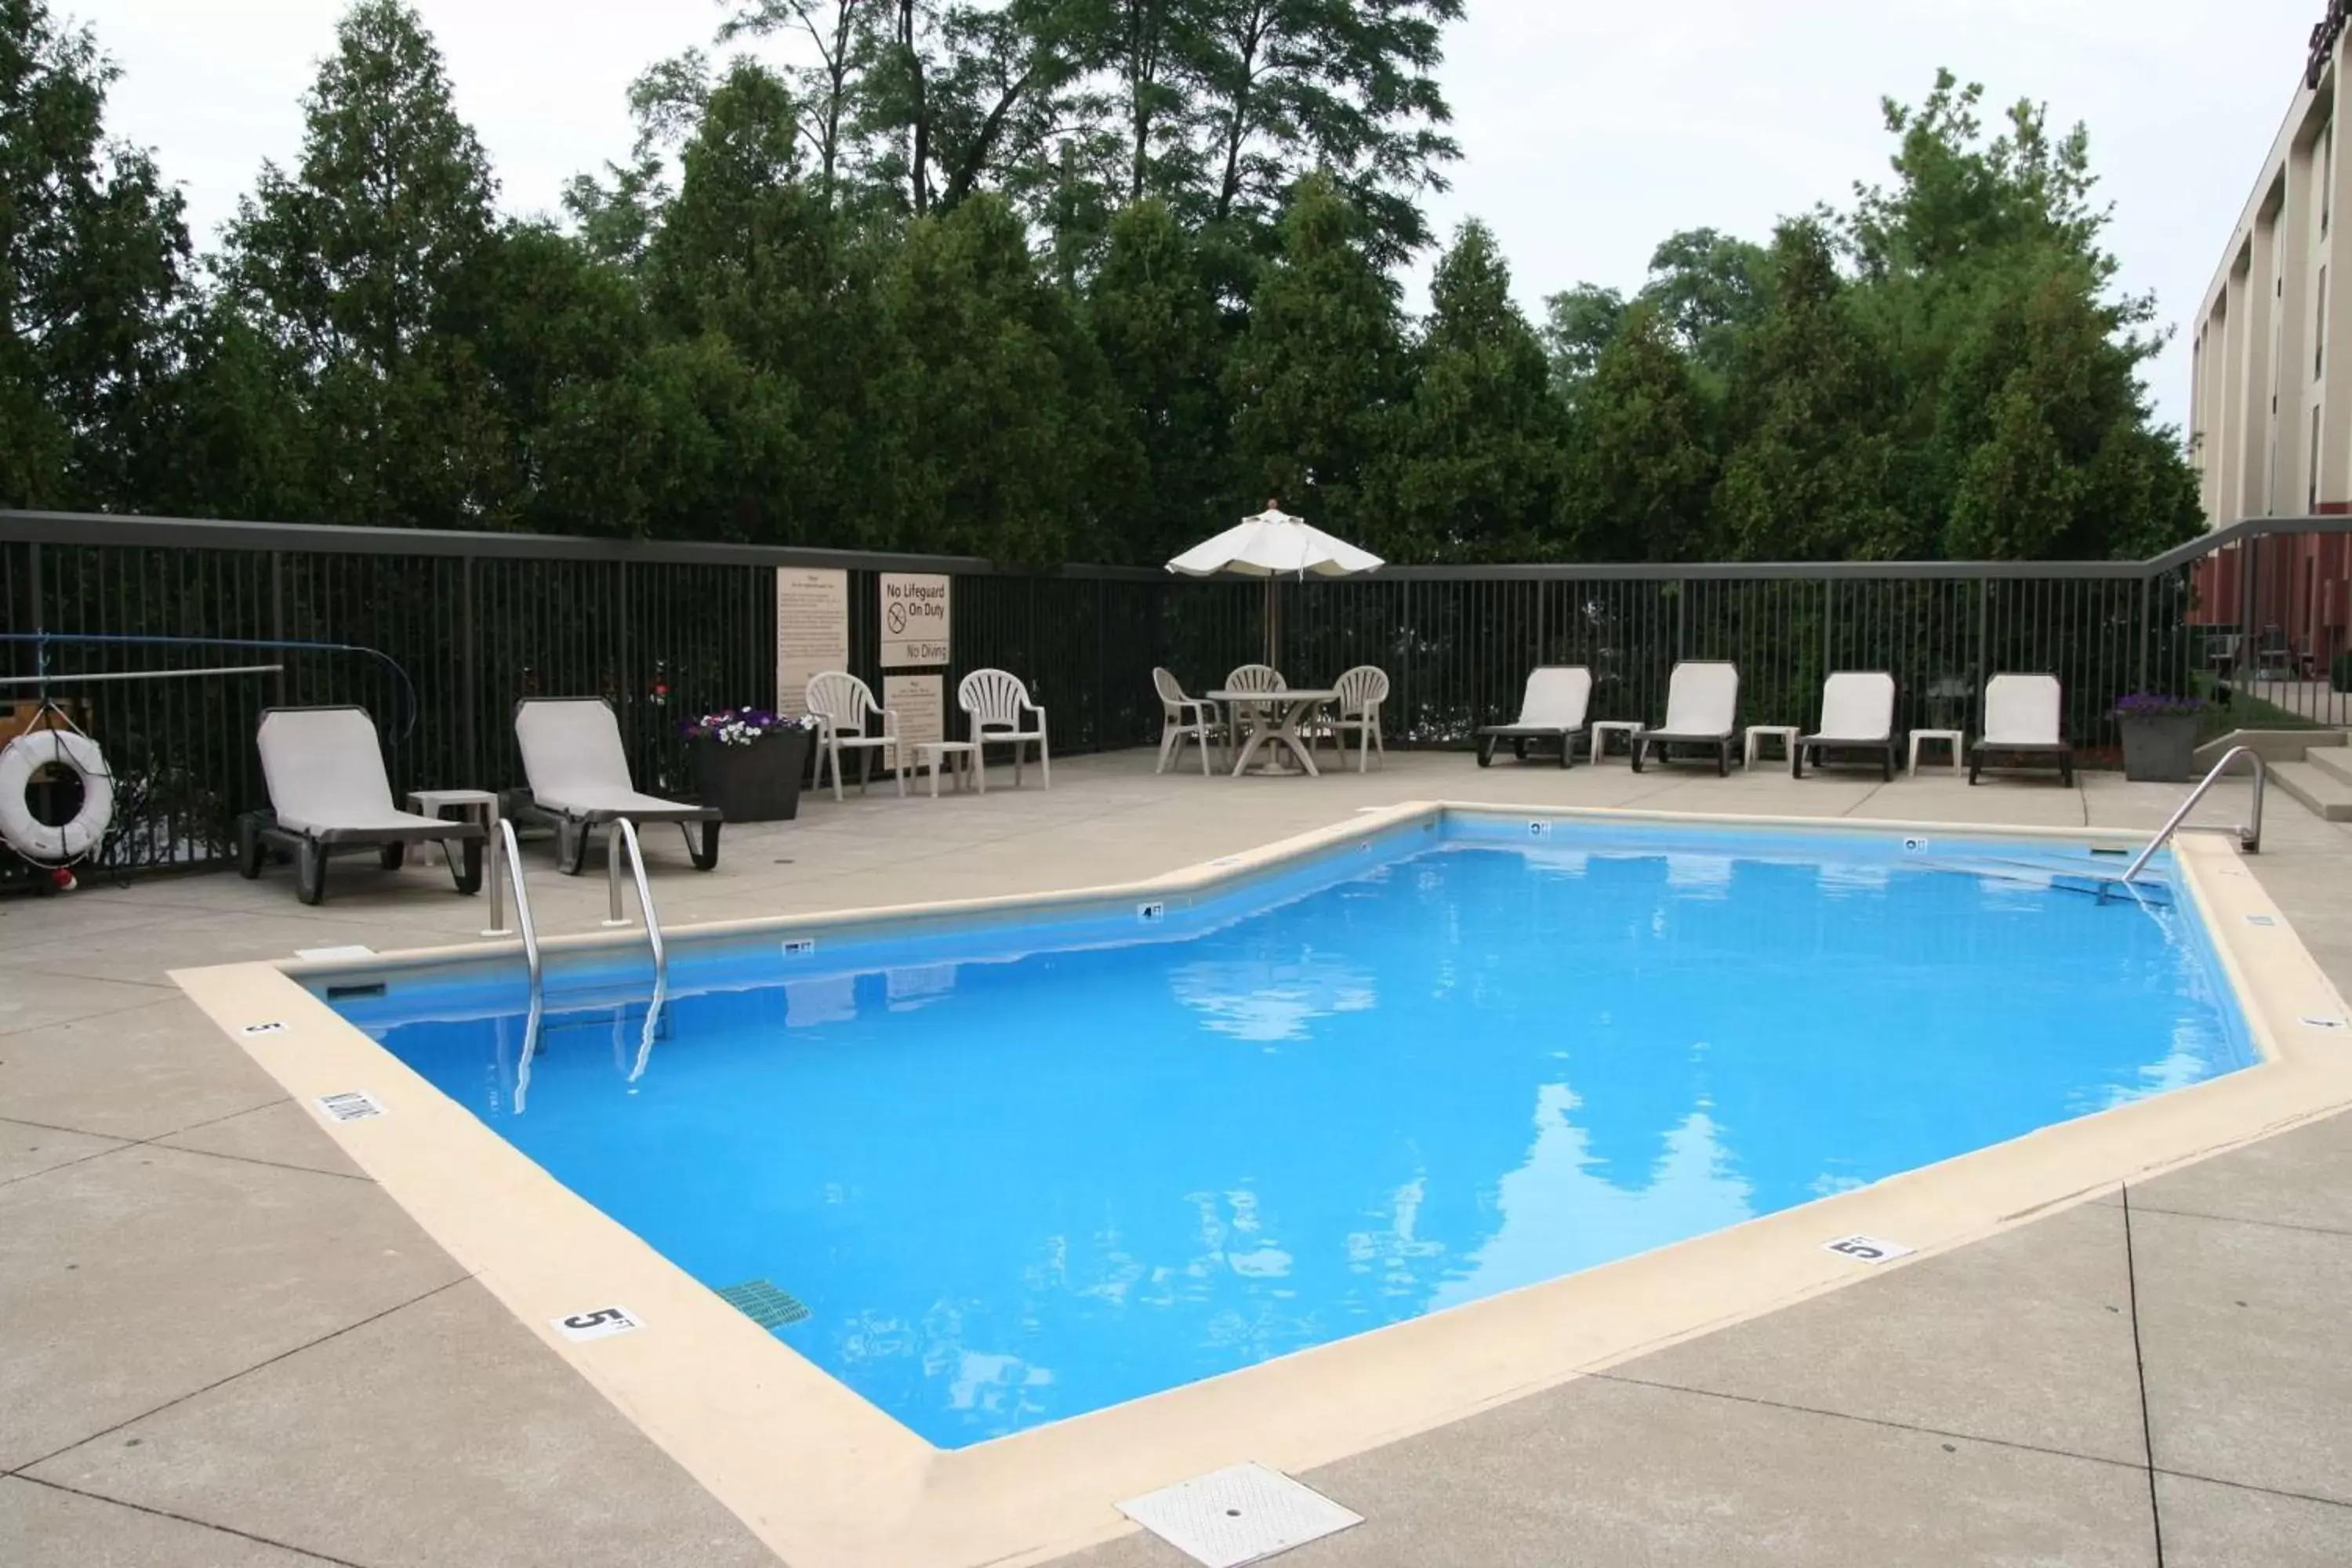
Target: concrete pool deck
column 226, row 1345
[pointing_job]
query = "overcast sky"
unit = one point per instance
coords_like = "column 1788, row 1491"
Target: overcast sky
column 1588, row 131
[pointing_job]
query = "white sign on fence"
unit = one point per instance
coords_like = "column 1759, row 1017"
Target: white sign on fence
column 914, row 620
column 811, row 630
column 920, row 702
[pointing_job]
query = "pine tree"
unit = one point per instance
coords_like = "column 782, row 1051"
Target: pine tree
column 1478, row 466
column 1317, row 380
column 94, row 287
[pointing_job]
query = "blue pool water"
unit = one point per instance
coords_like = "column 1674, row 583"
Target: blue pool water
column 1021, row 1172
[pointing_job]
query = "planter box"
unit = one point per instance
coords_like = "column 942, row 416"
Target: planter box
column 2159, row 750
column 758, row 783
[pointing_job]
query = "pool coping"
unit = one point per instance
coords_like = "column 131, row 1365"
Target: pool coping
column 829, row 1481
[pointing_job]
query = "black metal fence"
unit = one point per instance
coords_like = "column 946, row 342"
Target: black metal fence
column 466, row 624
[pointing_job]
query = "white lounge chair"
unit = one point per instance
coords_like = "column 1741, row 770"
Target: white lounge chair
column 844, row 706
column 1000, row 711
column 578, row 775
column 1357, row 709
column 329, row 791
column 2022, row 720
column 1552, row 709
column 1702, row 702
column 1857, row 715
column 1183, row 718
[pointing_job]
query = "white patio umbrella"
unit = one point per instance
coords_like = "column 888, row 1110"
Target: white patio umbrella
column 1270, row 545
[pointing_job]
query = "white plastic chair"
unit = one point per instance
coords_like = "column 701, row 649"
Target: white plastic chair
column 1361, row 690
column 996, row 703
column 844, row 705
column 1857, row 714
column 1183, row 718
column 1251, row 677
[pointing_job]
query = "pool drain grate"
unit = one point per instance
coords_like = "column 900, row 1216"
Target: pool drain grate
column 1238, row 1515
column 763, row 1303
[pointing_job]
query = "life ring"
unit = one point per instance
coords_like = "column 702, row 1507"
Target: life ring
column 28, row 835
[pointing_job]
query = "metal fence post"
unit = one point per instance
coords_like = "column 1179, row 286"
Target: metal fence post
column 469, row 675
column 278, row 618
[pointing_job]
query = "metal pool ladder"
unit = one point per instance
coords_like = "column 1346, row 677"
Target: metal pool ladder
column 624, row 834
column 513, row 851
column 2249, row 837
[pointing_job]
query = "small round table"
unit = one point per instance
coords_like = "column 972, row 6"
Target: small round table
column 1290, row 709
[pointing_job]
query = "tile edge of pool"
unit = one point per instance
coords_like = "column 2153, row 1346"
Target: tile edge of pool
column 826, row 1479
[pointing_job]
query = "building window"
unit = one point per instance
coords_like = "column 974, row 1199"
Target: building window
column 2319, row 347
column 2326, row 176
column 2311, row 499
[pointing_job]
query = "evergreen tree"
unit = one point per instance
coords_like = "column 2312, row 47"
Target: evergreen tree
column 93, row 282
column 366, row 269
column 995, row 423
column 1809, row 474
column 1317, row 379
column 1642, row 462
column 1479, row 459
column 1163, row 345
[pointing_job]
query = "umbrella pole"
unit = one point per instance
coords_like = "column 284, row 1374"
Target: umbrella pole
column 1273, row 619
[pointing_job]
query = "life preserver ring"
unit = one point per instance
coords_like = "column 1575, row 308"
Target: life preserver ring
column 28, row 835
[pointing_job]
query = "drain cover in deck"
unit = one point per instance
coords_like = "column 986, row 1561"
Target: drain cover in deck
column 1240, row 1514
column 763, row 1303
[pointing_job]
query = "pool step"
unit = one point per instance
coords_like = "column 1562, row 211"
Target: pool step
column 2323, row 785
column 2336, row 759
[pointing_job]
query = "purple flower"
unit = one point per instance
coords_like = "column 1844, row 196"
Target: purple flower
column 2158, row 705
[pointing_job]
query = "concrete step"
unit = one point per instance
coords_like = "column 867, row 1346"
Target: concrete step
column 2329, row 793
column 2336, row 759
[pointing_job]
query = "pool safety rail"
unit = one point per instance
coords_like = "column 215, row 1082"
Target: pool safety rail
column 667, row 630
column 623, row 834
column 2250, row 835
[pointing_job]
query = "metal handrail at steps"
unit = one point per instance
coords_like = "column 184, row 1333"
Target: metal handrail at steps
column 513, row 852
column 624, row 834
column 2249, row 837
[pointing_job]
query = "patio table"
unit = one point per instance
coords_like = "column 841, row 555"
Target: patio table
column 1291, row 710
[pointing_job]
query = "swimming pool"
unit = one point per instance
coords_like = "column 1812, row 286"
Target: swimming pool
column 1019, row 1170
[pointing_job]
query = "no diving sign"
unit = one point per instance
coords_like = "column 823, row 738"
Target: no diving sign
column 915, row 620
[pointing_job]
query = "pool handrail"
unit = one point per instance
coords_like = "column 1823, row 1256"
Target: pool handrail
column 2250, row 835
column 624, row 835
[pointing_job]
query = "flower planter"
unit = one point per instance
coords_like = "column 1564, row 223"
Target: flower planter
column 757, row 782
column 2158, row 749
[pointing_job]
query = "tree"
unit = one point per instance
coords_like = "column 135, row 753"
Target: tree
column 1478, row 469
column 2018, row 369
column 1163, row 343
column 993, row 425
column 1316, row 379
column 1346, row 88
column 1578, row 324
column 1810, row 470
column 1706, row 285
column 94, row 291
column 367, row 269
column 1643, row 459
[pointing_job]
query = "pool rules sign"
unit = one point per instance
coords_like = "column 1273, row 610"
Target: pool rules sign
column 915, row 610
column 914, row 620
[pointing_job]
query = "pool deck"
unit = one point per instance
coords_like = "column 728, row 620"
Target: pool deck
column 225, row 1345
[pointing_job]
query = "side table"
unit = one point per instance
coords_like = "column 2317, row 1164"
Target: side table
column 1786, row 733
column 1952, row 737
